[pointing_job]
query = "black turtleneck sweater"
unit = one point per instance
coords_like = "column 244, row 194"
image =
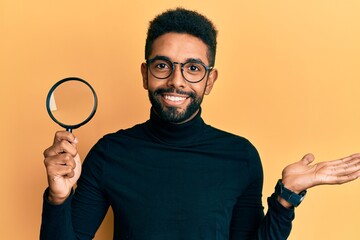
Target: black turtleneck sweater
column 170, row 182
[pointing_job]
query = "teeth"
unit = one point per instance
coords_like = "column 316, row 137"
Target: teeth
column 174, row 98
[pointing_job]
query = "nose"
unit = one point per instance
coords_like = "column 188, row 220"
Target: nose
column 176, row 79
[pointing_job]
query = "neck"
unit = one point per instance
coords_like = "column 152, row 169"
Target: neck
column 183, row 133
column 178, row 123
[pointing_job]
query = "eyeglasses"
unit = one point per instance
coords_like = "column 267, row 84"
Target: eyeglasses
column 193, row 70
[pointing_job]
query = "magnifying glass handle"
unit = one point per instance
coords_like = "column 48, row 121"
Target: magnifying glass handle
column 69, row 130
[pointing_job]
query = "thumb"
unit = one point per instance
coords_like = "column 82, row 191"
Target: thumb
column 307, row 159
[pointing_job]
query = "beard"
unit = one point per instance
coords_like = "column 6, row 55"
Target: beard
column 172, row 114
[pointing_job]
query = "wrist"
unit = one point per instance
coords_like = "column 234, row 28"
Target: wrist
column 287, row 197
column 55, row 199
column 292, row 186
column 284, row 203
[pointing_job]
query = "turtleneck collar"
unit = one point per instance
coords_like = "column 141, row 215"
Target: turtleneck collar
column 175, row 134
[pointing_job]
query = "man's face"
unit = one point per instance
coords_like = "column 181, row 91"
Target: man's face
column 174, row 99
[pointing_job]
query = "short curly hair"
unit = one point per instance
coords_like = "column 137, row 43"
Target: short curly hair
column 181, row 20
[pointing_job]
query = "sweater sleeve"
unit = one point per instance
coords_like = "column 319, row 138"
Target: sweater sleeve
column 248, row 220
column 56, row 220
column 277, row 222
column 81, row 214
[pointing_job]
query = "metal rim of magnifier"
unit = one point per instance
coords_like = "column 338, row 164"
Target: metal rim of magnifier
column 70, row 127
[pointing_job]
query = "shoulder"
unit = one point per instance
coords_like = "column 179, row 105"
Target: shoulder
column 122, row 136
column 227, row 137
column 231, row 142
column 131, row 132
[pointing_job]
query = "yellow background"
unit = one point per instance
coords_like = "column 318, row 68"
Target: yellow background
column 289, row 80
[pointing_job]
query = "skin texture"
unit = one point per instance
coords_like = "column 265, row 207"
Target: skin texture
column 62, row 160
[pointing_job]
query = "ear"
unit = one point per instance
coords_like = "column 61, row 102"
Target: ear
column 144, row 75
column 213, row 74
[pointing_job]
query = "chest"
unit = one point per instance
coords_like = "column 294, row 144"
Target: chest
column 175, row 179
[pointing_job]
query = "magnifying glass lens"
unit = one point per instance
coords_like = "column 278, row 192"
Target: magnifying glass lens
column 71, row 103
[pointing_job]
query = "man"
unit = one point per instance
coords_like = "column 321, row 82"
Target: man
column 175, row 177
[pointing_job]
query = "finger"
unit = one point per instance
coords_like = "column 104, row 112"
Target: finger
column 64, row 159
column 58, row 168
column 57, row 172
column 350, row 158
column 345, row 159
column 339, row 165
column 65, row 135
column 307, row 159
column 347, row 167
column 346, row 178
column 345, row 162
column 61, row 147
column 355, row 155
column 65, row 147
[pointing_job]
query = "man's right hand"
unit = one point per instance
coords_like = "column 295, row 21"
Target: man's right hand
column 63, row 166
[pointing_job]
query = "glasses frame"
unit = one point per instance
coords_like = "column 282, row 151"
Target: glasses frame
column 207, row 68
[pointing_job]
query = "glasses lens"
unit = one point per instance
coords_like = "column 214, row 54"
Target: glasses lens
column 160, row 68
column 194, row 71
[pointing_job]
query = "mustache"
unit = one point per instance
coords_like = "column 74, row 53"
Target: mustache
column 161, row 91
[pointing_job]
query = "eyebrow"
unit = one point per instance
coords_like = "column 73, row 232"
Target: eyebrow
column 186, row 60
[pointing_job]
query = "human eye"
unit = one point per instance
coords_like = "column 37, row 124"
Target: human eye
column 161, row 65
column 194, row 68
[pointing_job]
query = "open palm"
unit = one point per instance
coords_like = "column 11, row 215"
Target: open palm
column 302, row 175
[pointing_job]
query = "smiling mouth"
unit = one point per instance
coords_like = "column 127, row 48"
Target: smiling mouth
column 174, row 98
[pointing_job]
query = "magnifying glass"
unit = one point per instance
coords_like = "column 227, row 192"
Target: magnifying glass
column 71, row 103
